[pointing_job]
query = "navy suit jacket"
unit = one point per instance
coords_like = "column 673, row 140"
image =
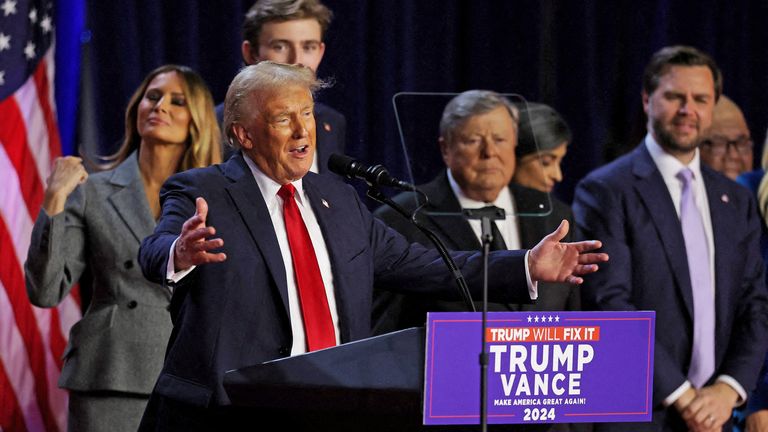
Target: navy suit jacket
column 234, row 314
column 331, row 134
column 627, row 205
column 395, row 311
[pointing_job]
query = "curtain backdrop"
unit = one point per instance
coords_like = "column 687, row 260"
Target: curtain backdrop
column 585, row 58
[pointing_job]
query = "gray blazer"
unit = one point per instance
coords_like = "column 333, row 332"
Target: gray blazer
column 120, row 343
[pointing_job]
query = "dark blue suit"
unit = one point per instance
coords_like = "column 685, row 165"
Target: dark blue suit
column 234, row 314
column 331, row 129
column 627, row 205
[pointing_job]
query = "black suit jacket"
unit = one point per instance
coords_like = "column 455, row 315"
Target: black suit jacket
column 331, row 134
column 395, row 311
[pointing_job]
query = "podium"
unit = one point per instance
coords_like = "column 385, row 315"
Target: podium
column 370, row 384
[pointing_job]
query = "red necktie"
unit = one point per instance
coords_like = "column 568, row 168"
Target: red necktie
column 318, row 324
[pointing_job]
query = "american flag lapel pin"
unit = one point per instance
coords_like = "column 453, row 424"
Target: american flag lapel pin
column 327, row 126
column 325, row 203
column 724, row 198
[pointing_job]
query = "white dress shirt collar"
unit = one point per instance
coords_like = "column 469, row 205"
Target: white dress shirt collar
column 269, row 187
column 504, row 200
column 669, row 165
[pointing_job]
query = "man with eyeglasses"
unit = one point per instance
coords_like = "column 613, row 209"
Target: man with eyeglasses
column 727, row 146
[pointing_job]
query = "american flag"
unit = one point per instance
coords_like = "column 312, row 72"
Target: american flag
column 32, row 340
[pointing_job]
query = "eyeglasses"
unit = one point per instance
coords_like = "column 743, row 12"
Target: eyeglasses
column 719, row 146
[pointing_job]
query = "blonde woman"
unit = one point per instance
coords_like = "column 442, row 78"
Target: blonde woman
column 95, row 224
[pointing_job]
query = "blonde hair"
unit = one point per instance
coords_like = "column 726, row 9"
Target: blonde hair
column 256, row 79
column 762, row 190
column 204, row 141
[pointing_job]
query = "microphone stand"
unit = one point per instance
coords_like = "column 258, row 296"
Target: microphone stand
column 375, row 194
column 487, row 216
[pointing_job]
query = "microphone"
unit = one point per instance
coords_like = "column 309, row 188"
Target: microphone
column 375, row 175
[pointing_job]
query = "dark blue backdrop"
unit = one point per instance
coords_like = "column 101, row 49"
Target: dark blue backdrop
column 583, row 57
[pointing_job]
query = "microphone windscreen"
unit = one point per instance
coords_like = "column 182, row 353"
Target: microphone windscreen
column 340, row 164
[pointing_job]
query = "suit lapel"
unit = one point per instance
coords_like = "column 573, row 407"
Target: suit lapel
column 253, row 211
column 453, row 228
column 533, row 214
column 722, row 214
column 653, row 192
column 129, row 199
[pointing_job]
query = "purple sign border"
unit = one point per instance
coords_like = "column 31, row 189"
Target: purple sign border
column 517, row 318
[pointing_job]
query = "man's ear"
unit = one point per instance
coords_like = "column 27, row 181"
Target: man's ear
column 322, row 53
column 243, row 137
column 645, row 98
column 247, row 50
column 443, row 148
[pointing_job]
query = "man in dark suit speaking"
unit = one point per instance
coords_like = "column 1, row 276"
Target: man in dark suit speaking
column 684, row 242
column 295, row 256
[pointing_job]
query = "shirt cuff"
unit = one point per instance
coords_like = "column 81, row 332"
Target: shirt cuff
column 170, row 274
column 533, row 286
column 727, row 379
column 672, row 398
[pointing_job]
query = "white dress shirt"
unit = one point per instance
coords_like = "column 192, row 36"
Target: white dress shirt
column 508, row 227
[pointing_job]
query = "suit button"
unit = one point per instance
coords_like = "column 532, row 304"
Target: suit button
column 128, row 264
column 284, row 351
column 132, row 304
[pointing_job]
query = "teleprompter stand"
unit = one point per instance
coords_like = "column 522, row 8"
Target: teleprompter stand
column 487, row 216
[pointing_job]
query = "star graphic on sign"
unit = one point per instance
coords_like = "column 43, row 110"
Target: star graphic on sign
column 529, row 318
column 5, row 42
column 45, row 24
column 29, row 50
column 8, row 7
column 557, row 318
column 33, row 15
column 536, row 318
column 2, row 77
column 549, row 318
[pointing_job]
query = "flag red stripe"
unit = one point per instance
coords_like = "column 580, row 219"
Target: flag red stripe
column 11, row 417
column 75, row 294
column 13, row 280
column 44, row 98
column 13, row 136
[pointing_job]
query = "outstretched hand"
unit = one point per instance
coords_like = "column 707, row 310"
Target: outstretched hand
column 552, row 261
column 192, row 247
